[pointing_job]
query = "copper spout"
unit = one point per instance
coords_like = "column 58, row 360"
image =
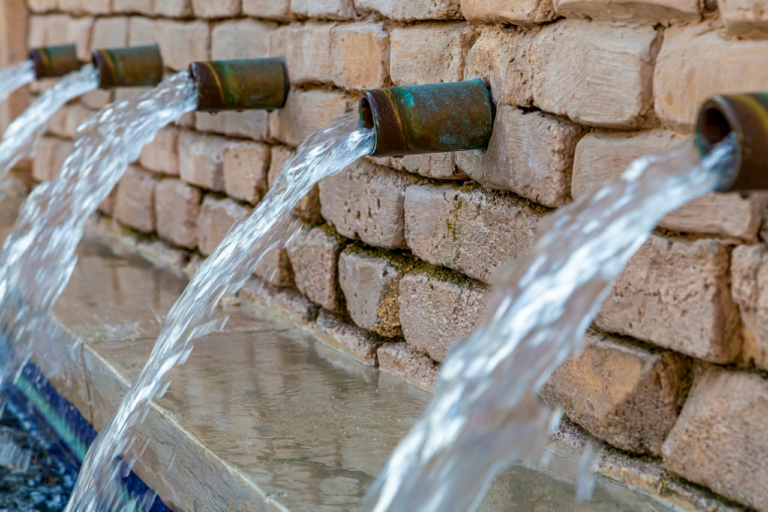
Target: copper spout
column 129, row 67
column 54, row 61
column 243, row 84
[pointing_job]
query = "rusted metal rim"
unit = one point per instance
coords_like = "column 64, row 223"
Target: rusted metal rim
column 54, row 61
column 433, row 118
column 138, row 66
column 746, row 116
column 242, row 84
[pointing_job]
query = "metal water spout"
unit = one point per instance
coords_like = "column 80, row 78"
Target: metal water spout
column 140, row 66
column 746, row 116
column 242, row 84
column 54, row 61
column 432, row 118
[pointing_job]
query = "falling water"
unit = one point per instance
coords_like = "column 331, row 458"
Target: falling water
column 486, row 412
column 13, row 77
column 22, row 135
column 324, row 153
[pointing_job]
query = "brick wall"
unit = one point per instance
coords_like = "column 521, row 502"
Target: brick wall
column 397, row 255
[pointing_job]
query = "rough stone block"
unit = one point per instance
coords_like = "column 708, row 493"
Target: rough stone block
column 333, row 331
column 307, row 50
column 146, row 7
column 141, row 31
column 306, row 112
column 162, row 154
column 216, row 8
column 250, row 124
column 51, row 154
column 675, row 294
column 314, row 257
column 269, row 9
column 371, row 283
column 287, row 303
column 182, row 43
column 360, row 56
column 630, row 11
column 275, row 268
column 243, row 39
column 439, row 165
column 744, row 18
column 201, row 160
column 366, row 202
column 621, row 393
column 324, row 9
column 603, row 157
column 471, row 230
column 110, row 33
column 530, row 154
column 749, row 274
column 177, row 207
column 216, row 217
column 308, row 207
column 439, row 307
column 527, row 12
column 720, row 440
column 430, row 52
column 43, row 5
column 696, row 62
column 408, row 10
column 59, row 29
column 418, row 369
column 135, row 206
column 86, row 6
column 96, row 100
column 173, row 8
column 245, row 170
column 107, row 206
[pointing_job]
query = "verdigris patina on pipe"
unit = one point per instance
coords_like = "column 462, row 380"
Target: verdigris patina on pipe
column 139, row 66
column 242, row 84
column 54, row 61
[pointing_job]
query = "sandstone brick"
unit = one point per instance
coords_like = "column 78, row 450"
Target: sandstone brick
column 269, row 9
column 370, row 281
column 251, row 124
column 603, row 157
column 306, row 49
column 473, row 231
column 245, row 170
column 135, row 204
column 744, row 18
column 418, row 369
column 146, row 7
column 86, row 6
column 162, row 154
column 630, row 11
column 110, row 33
column 107, row 206
column 177, row 207
column 366, row 202
column 275, row 268
column 68, row 119
column 749, row 271
column 439, row 165
column 306, row 112
column 314, row 257
column 50, row 156
column 201, row 160
column 142, row 31
column 43, row 5
column 62, row 29
column 324, row 9
column 621, row 393
column 675, row 294
column 96, row 100
column 173, row 8
column 333, row 331
column 287, row 303
column 618, row 61
column 430, row 52
column 243, row 39
column 216, row 217
column 216, row 8
column 408, row 10
column 696, row 62
column 529, row 154
column 528, row 12
column 439, row 307
column 360, row 56
column 308, row 207
column 182, row 43
column 720, row 440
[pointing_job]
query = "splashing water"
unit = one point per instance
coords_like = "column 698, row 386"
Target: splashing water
column 13, row 77
column 271, row 225
column 486, row 412
column 21, row 137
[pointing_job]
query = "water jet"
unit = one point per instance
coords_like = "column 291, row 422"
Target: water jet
column 54, row 61
column 241, row 84
column 140, row 66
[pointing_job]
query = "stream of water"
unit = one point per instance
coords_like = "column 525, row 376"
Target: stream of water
column 13, row 77
column 486, row 412
column 23, row 134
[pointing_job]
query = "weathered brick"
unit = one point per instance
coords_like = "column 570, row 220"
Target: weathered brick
column 269, row 9
column 59, row 29
column 418, row 369
column 275, row 268
column 749, row 273
column 430, row 52
column 146, row 7
column 359, row 343
column 308, row 207
column 306, row 49
column 251, row 124
column 439, row 165
column 603, row 157
column 216, row 217
column 527, row 12
column 621, row 393
column 110, row 33
column 744, row 18
column 314, row 256
column 68, row 119
column 201, row 160
column 370, row 281
column 96, row 100
column 529, row 154
column 162, row 154
column 720, row 439
column 408, row 10
column 439, row 307
column 675, row 294
column 696, row 62
column 473, row 231
column 51, row 154
column 306, row 112
column 135, row 206
column 43, row 5
column 287, row 303
column 243, row 39
column 366, row 202
column 177, row 207
column 173, row 8
column 324, row 9
column 182, row 43
column 215, row 8
column 245, row 170
column 86, row 6
column 360, row 56
column 632, row 11
column 107, row 206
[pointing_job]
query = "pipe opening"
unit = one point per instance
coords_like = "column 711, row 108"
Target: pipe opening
column 366, row 113
column 714, row 125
